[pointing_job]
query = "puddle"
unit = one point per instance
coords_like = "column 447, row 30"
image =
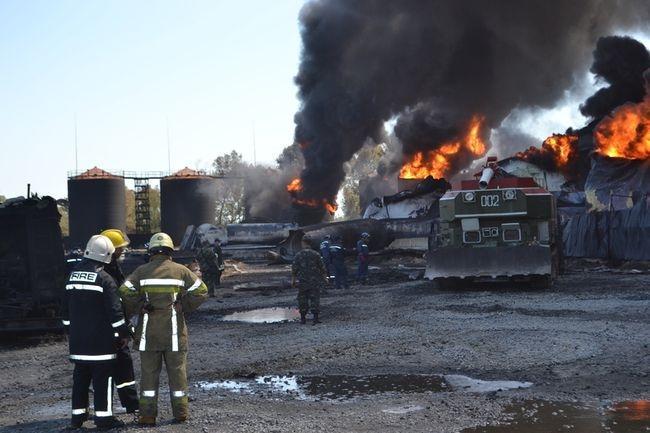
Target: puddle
column 468, row 384
column 344, row 387
column 534, row 416
column 264, row 315
column 401, row 410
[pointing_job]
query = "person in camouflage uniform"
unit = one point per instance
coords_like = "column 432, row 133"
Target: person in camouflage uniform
column 308, row 273
column 210, row 264
column 161, row 292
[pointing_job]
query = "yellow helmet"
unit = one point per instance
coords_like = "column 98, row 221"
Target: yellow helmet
column 161, row 240
column 117, row 236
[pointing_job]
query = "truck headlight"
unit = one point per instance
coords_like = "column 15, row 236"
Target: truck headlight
column 509, row 194
column 469, row 197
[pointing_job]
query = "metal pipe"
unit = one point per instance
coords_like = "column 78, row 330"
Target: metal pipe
column 486, row 177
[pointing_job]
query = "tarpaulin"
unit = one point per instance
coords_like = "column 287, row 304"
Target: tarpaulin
column 617, row 234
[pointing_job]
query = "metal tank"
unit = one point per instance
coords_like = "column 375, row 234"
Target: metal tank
column 496, row 228
column 187, row 197
column 97, row 202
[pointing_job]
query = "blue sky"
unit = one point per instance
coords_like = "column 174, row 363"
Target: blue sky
column 213, row 68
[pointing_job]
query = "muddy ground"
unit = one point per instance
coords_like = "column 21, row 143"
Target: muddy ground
column 583, row 345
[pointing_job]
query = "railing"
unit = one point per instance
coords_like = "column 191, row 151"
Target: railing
column 147, row 174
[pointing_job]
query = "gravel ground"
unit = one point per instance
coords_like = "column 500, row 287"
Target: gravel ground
column 586, row 340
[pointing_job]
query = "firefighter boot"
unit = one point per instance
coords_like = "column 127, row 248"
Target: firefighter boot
column 107, row 423
column 77, row 421
column 147, row 421
column 303, row 318
column 316, row 321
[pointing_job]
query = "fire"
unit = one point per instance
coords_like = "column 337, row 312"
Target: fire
column 295, row 186
column 314, row 203
column 626, row 133
column 561, row 146
column 437, row 163
column 556, row 153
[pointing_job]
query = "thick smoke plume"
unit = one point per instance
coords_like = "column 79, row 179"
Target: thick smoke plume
column 438, row 62
column 620, row 62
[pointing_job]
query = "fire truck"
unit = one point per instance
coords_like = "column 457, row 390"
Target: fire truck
column 494, row 228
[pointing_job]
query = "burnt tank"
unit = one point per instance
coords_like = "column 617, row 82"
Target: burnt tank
column 32, row 265
column 495, row 228
column 97, row 202
column 187, row 197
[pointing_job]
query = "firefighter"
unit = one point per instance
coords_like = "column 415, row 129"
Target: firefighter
column 124, row 377
column 161, row 292
column 211, row 265
column 93, row 317
column 337, row 256
column 309, row 275
column 363, row 255
column 325, row 254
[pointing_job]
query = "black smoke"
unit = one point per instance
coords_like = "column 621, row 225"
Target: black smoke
column 620, row 61
column 367, row 61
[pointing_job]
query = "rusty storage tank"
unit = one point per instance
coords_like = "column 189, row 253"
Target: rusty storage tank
column 97, row 202
column 187, row 197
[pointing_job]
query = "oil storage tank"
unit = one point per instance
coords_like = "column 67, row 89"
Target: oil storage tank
column 97, row 202
column 187, row 197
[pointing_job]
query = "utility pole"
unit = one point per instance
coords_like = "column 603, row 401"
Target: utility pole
column 169, row 152
column 76, row 149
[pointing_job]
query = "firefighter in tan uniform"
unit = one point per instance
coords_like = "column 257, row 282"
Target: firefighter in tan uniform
column 161, row 291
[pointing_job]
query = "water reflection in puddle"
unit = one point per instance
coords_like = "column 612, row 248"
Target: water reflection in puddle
column 264, row 315
column 342, row 387
column 534, row 416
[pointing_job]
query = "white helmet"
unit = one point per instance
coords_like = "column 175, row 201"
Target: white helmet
column 99, row 248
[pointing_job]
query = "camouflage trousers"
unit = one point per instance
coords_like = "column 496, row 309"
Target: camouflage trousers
column 309, row 297
column 212, row 280
column 151, row 365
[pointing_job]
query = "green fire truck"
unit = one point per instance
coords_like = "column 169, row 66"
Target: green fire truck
column 494, row 228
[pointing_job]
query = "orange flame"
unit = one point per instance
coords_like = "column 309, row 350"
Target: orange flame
column 314, row 203
column 626, row 133
column 557, row 152
column 561, row 146
column 437, row 163
column 295, row 185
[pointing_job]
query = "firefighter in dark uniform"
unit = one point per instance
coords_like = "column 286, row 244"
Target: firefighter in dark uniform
column 325, row 254
column 161, row 292
column 211, row 264
column 309, row 275
column 93, row 316
column 124, row 377
column 363, row 255
column 337, row 256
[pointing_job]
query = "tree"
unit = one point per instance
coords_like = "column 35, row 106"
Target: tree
column 290, row 157
column 64, row 222
column 130, row 210
column 363, row 165
column 2, row 198
column 230, row 206
column 154, row 209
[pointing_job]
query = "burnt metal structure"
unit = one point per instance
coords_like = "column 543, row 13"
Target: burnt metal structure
column 187, row 197
column 142, row 208
column 32, row 265
column 97, row 202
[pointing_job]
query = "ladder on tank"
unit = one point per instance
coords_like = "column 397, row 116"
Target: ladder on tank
column 142, row 209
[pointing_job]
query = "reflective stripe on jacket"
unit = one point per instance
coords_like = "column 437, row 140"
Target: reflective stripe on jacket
column 91, row 309
column 161, row 291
